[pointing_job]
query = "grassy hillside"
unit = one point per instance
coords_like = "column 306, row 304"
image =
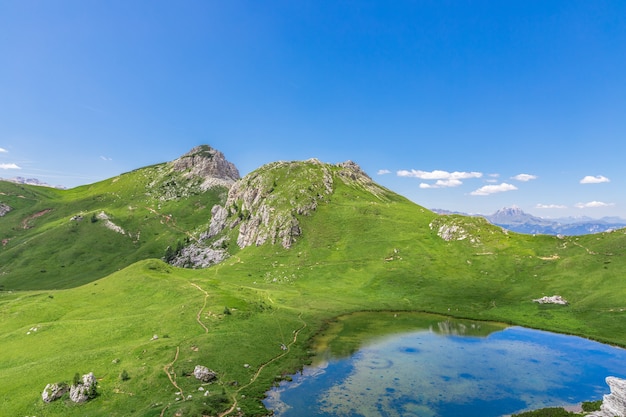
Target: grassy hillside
column 357, row 251
column 61, row 238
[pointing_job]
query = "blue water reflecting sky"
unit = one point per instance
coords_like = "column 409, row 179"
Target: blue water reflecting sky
column 426, row 373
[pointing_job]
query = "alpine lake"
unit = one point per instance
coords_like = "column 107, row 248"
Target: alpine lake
column 416, row 364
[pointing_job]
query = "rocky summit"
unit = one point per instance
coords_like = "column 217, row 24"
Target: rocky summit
column 208, row 163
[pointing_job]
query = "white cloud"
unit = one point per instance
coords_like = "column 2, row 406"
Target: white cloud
column 104, row 158
column 2, row 150
column 550, row 206
column 593, row 204
column 438, row 174
column 492, row 189
column 442, row 184
column 524, row 177
column 383, row 172
column 589, row 179
column 9, row 166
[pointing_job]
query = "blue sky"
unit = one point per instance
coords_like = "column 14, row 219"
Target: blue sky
column 461, row 105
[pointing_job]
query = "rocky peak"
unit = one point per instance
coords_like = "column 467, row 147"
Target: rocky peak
column 510, row 211
column 208, row 163
column 510, row 215
column 266, row 203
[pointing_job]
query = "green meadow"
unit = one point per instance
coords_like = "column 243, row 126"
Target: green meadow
column 78, row 297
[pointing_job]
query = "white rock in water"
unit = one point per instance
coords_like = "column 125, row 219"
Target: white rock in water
column 613, row 404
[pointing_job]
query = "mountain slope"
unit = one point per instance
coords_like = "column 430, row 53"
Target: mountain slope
column 63, row 238
column 356, row 246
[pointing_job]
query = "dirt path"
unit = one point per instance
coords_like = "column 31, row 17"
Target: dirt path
column 589, row 251
column 172, row 379
column 206, row 296
column 258, row 372
column 26, row 221
column 171, row 375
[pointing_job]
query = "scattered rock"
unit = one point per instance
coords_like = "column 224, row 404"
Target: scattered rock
column 555, row 299
column 451, row 228
column 613, row 404
column 154, row 337
column 109, row 224
column 84, row 390
column 4, row 209
column 54, row 391
column 204, row 374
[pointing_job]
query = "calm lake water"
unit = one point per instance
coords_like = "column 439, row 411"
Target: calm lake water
column 381, row 364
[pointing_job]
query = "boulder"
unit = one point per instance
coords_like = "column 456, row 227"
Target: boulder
column 85, row 389
column 613, row 404
column 4, row 209
column 54, row 391
column 555, row 299
column 204, row 374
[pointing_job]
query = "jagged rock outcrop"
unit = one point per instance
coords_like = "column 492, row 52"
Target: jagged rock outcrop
column 204, row 374
column 85, row 389
column 199, row 256
column 4, row 209
column 219, row 215
column 265, row 204
column 613, row 404
column 193, row 173
column 208, row 163
column 53, row 392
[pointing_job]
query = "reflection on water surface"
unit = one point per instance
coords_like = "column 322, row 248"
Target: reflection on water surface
column 386, row 364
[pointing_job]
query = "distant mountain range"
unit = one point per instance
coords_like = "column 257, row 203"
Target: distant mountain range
column 516, row 220
column 30, row 181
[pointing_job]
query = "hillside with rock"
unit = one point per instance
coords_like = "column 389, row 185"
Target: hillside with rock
column 265, row 205
column 102, row 227
column 298, row 245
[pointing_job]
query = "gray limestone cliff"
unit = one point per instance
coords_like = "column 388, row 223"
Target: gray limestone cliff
column 195, row 172
column 208, row 163
column 265, row 204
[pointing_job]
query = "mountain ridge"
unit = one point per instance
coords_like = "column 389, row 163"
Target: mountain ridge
column 516, row 220
column 85, row 288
